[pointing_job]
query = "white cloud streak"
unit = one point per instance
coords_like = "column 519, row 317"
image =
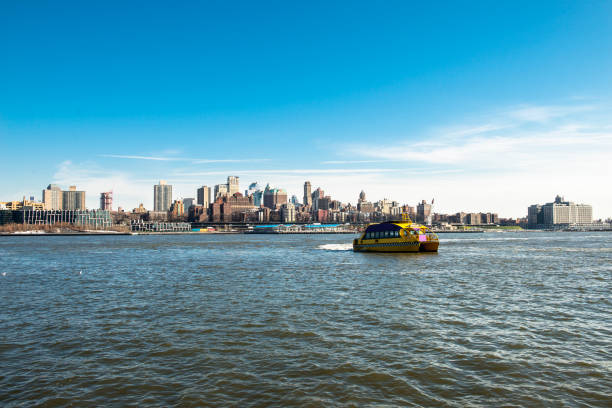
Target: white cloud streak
column 180, row 159
column 254, row 172
column 121, row 156
column 352, row 161
column 531, row 113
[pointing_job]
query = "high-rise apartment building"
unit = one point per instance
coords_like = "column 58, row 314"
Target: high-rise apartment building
column 233, row 185
column 204, row 196
column 534, row 215
column 188, row 202
column 318, row 194
column 106, row 201
column 423, row 213
column 220, row 191
column 559, row 212
column 162, row 196
column 73, row 199
column 52, row 198
column 274, row 198
column 307, row 193
column 288, row 213
column 253, row 187
column 177, row 208
column 362, row 197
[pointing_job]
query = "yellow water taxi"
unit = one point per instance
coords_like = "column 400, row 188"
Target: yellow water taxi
column 397, row 236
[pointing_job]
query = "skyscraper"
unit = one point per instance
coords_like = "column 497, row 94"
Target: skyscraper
column 177, row 208
column 220, row 191
column 423, row 212
column 204, row 196
column 52, row 197
column 253, row 187
column 162, row 196
column 362, row 197
column 188, row 202
column 233, row 184
column 73, row 199
column 106, row 201
column 307, row 194
column 274, row 198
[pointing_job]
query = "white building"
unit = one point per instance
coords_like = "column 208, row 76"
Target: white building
column 162, row 196
column 288, row 213
column 561, row 212
column 220, row 190
column 233, row 184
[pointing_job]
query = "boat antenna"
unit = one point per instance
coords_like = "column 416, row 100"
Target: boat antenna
column 406, row 217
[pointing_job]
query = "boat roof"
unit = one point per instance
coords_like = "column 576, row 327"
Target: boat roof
column 393, row 226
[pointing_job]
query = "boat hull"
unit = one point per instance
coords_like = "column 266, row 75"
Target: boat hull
column 396, row 247
column 429, row 246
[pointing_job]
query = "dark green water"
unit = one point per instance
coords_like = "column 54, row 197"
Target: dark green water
column 495, row 319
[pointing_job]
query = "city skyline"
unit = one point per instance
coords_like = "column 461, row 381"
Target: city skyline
column 483, row 111
column 256, row 196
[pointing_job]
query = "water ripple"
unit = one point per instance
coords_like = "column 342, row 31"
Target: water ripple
column 514, row 319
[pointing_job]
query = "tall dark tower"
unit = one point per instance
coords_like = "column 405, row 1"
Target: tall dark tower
column 362, row 197
column 307, row 196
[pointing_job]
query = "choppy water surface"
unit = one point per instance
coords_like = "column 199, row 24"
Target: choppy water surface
column 514, row 319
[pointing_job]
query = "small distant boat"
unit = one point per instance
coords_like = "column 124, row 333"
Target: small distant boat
column 397, row 236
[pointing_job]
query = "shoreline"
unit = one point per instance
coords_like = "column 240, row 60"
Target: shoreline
column 90, row 234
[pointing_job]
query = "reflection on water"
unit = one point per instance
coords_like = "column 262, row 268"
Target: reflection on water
column 492, row 319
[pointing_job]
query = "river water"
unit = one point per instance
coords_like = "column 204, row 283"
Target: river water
column 493, row 319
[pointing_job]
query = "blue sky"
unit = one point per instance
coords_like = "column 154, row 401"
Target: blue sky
column 484, row 106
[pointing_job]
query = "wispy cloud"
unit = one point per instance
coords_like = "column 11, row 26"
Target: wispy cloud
column 462, row 131
column 352, row 161
column 131, row 157
column 532, row 113
column 255, row 172
column 180, row 159
column 509, row 142
column 204, row 161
